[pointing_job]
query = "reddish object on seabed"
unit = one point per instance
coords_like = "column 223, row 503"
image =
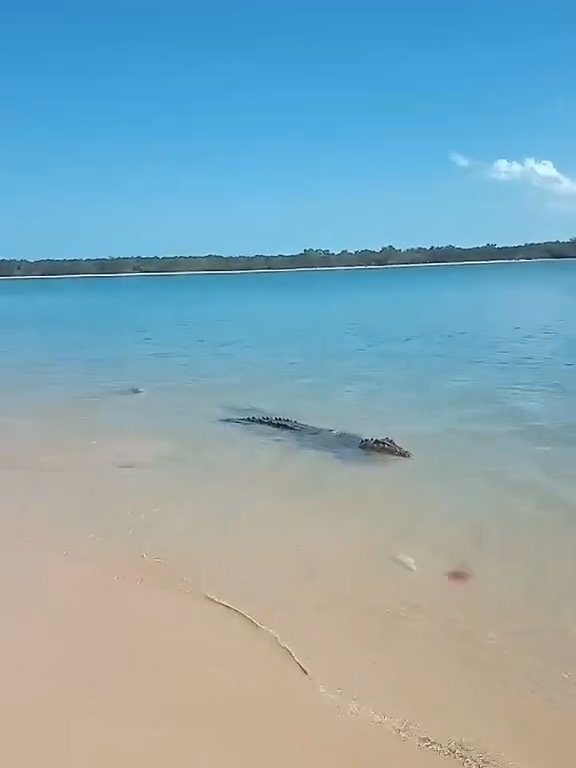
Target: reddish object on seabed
column 460, row 575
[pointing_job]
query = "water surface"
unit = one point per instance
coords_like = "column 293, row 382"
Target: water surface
column 472, row 368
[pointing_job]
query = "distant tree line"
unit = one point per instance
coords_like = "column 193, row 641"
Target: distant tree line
column 310, row 257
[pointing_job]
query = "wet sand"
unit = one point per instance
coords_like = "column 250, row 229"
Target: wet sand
column 102, row 671
column 111, row 654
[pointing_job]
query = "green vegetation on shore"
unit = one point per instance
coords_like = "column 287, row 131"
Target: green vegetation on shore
column 309, row 258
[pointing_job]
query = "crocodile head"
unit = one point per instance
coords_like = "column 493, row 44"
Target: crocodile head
column 384, row 445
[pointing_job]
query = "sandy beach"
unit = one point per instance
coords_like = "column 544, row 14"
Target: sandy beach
column 121, row 660
column 100, row 670
column 288, row 269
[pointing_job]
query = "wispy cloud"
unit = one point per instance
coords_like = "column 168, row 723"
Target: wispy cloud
column 460, row 160
column 537, row 173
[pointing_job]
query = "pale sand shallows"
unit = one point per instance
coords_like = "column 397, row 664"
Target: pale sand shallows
column 103, row 672
column 143, row 670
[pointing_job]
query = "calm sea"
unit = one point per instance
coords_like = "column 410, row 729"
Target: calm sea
column 472, row 368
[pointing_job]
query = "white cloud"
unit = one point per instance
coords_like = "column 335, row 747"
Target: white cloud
column 537, row 173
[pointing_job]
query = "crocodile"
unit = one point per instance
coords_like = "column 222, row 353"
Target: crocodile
column 330, row 439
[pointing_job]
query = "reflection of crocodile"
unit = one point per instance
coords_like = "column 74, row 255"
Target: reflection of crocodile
column 330, row 438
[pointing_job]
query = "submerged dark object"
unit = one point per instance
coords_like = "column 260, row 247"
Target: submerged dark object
column 459, row 575
column 330, row 438
column 130, row 391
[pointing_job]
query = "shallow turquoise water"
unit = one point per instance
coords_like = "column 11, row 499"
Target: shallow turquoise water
column 473, row 368
column 485, row 355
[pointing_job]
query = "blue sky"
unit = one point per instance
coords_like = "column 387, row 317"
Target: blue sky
column 238, row 127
